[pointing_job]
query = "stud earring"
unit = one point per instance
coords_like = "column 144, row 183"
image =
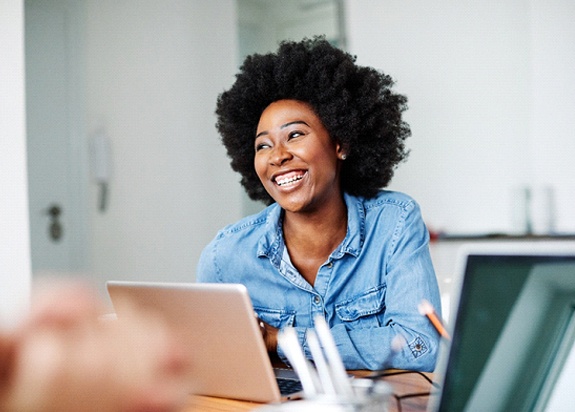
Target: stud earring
column 343, row 156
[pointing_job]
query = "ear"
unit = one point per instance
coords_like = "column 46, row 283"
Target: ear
column 341, row 152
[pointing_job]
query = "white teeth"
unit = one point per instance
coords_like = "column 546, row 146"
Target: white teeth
column 283, row 182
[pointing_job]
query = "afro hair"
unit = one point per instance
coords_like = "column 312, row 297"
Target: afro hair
column 355, row 104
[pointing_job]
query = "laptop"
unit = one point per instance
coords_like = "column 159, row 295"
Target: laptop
column 512, row 328
column 219, row 327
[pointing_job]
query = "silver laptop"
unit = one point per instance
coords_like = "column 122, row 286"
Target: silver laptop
column 218, row 325
column 512, row 328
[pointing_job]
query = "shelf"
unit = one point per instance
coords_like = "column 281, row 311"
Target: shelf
column 444, row 237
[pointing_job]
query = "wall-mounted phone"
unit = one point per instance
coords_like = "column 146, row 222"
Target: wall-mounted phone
column 101, row 164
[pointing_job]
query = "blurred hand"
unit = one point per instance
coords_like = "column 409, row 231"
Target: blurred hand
column 270, row 335
column 65, row 357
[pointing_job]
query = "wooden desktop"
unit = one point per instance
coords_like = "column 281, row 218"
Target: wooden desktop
column 410, row 389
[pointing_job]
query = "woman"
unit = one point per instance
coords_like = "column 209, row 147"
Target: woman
column 316, row 137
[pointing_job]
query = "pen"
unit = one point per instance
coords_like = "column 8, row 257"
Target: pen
column 323, row 371
column 288, row 341
column 339, row 374
column 426, row 309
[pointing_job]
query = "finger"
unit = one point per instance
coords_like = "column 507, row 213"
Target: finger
column 62, row 304
column 7, row 361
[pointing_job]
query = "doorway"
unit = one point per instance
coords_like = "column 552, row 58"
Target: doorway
column 55, row 138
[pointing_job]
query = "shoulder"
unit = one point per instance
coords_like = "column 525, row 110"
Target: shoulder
column 388, row 213
column 244, row 225
column 389, row 198
column 250, row 226
column 390, row 210
column 222, row 250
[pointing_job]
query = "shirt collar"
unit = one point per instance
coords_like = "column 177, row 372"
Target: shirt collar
column 355, row 236
column 272, row 244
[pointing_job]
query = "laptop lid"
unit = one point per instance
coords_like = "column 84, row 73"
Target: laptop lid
column 218, row 325
column 512, row 327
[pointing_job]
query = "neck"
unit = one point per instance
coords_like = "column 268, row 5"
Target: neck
column 318, row 232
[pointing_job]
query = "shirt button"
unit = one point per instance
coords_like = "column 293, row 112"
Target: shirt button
column 316, row 300
column 330, row 264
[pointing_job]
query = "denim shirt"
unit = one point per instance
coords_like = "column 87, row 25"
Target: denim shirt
column 368, row 289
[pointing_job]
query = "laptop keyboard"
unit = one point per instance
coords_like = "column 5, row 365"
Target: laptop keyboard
column 288, row 386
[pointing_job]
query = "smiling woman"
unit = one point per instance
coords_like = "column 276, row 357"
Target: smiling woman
column 296, row 156
column 299, row 165
column 316, row 137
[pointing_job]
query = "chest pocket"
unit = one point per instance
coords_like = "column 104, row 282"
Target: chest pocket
column 363, row 310
column 278, row 318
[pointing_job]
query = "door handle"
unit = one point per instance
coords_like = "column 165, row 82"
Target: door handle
column 55, row 229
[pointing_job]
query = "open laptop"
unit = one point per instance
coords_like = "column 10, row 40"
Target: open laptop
column 218, row 325
column 513, row 326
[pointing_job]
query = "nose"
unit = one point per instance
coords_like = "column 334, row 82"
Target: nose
column 280, row 155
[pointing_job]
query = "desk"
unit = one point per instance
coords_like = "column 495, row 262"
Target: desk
column 401, row 382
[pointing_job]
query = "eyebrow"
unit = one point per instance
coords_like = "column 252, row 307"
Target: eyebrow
column 283, row 126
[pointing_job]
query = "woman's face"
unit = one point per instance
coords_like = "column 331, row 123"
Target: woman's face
column 296, row 160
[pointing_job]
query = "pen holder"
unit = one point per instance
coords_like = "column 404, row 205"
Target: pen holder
column 369, row 396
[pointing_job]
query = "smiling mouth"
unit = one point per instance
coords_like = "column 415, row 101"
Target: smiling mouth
column 289, row 178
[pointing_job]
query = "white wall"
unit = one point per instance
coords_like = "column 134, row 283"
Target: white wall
column 154, row 70
column 14, row 238
column 553, row 96
column 264, row 23
column 491, row 90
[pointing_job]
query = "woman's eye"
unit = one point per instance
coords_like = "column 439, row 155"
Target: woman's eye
column 295, row 133
column 261, row 146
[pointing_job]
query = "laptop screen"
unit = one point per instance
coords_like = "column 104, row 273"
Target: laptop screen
column 513, row 315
